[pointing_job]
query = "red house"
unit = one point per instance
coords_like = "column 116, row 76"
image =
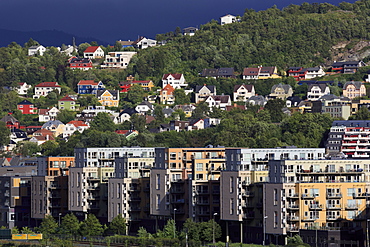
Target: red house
column 26, row 107
column 80, row 63
column 10, row 121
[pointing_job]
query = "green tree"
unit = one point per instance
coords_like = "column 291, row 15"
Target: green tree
column 135, row 94
column 4, row 134
column 143, row 233
column 192, row 229
column 180, row 97
column 91, row 226
column 66, row 116
column 207, row 230
column 138, row 122
column 70, row 225
column 103, row 122
column 363, row 114
column 275, row 107
column 50, row 148
column 201, row 110
column 27, row 148
column 118, row 225
column 168, row 231
column 48, row 226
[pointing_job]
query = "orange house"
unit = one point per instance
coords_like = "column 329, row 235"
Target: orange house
column 57, row 166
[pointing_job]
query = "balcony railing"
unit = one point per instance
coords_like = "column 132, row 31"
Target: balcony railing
column 333, row 206
column 334, row 195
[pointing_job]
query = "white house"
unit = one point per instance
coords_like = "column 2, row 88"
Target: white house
column 44, row 88
column 36, row 49
column 93, row 52
column 314, row 72
column 118, row 59
column 46, row 115
column 316, row 91
column 202, row 92
column 175, row 80
column 144, row 107
column 23, row 88
column 143, row 43
column 227, row 19
column 218, row 101
column 73, row 126
column 243, row 92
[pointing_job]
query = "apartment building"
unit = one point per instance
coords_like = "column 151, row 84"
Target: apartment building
column 299, row 197
column 88, row 187
column 185, row 183
column 49, row 196
column 243, row 187
column 54, row 166
column 128, row 191
column 349, row 138
column 15, row 198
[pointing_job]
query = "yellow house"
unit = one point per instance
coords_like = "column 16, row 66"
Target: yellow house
column 108, row 98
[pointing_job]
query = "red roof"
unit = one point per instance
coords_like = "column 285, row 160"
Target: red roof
column 48, row 84
column 169, row 89
column 87, row 82
column 251, row 71
column 34, row 127
column 21, row 83
column 66, row 98
column 91, row 49
column 176, row 76
column 77, row 123
column 122, row 132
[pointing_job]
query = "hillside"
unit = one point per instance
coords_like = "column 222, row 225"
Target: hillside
column 305, row 35
column 46, row 37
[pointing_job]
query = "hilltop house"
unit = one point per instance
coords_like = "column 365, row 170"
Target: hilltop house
column 37, row 49
column 89, row 87
column 243, row 92
column 46, row 115
column 146, row 85
column 67, row 103
column 175, row 80
column 281, row 91
column 144, row 107
column 348, row 67
column 260, row 73
column 118, row 59
column 44, row 88
column 23, row 88
column 166, row 95
column 353, row 89
column 108, row 98
column 189, row 31
column 218, row 101
column 143, row 43
column 202, row 92
column 55, row 126
column 93, row 52
column 228, row 19
column 300, row 73
column 73, row 126
column 10, row 121
column 80, row 63
column 27, row 107
column 315, row 91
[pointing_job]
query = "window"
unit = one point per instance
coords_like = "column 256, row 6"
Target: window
column 351, row 191
column 158, row 182
column 275, row 197
column 158, row 204
column 199, row 167
column 231, row 205
column 231, row 184
column 275, row 219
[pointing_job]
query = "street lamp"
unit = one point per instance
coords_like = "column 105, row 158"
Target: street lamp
column 264, row 229
column 174, row 222
column 60, row 214
column 213, row 228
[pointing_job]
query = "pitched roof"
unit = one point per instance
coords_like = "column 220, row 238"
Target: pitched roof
column 251, row 71
column 249, row 87
column 129, row 111
column 79, row 60
column 211, row 88
column 221, row 98
column 87, row 82
column 169, row 89
column 52, row 123
column 114, row 93
column 91, row 49
column 9, row 118
column 269, row 70
column 48, row 84
column 25, row 102
column 225, row 71
column 286, row 87
column 176, row 76
column 209, row 72
column 66, row 98
column 78, row 123
column 321, row 86
column 357, row 84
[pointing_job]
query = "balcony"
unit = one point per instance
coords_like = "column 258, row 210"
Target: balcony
column 199, row 192
column 308, row 196
column 248, row 205
column 351, row 206
column 361, row 195
column 248, row 194
column 334, row 195
column 293, row 207
column 134, row 209
column 315, row 207
column 293, row 218
column 309, row 218
column 333, row 217
column 333, row 206
column 178, row 201
column 293, row 196
column 292, row 229
column 249, row 216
